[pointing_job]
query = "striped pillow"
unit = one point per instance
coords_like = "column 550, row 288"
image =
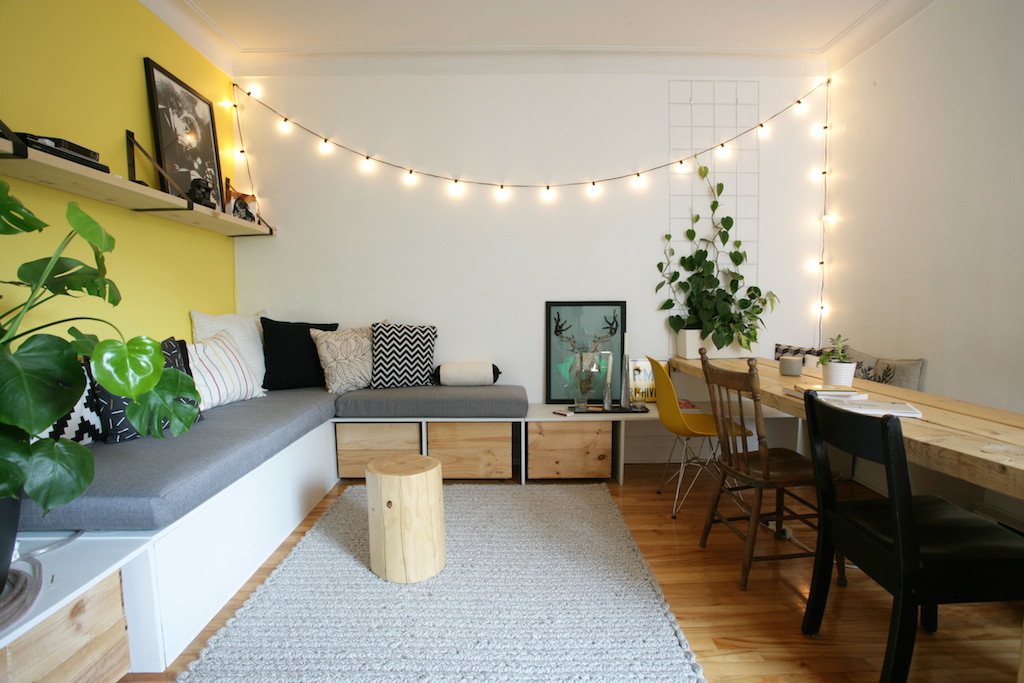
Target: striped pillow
column 221, row 373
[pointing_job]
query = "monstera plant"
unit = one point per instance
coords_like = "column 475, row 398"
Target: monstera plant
column 42, row 378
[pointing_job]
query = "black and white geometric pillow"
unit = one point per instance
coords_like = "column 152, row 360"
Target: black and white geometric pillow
column 403, row 355
column 112, row 407
column 83, row 424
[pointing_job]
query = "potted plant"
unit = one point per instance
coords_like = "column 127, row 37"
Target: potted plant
column 41, row 377
column 836, row 367
column 707, row 287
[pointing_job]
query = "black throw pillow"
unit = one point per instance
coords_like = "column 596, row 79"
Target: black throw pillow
column 290, row 353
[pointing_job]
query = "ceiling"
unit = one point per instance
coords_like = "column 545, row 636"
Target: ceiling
column 786, row 28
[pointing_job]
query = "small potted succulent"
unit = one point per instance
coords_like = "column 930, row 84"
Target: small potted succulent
column 836, row 367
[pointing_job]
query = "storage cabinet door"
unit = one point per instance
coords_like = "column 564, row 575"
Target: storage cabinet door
column 569, row 450
column 471, row 450
column 359, row 443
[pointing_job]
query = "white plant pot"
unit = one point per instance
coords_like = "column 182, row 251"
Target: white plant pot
column 838, row 374
column 688, row 342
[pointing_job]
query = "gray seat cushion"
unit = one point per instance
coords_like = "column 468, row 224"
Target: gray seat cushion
column 149, row 483
column 492, row 400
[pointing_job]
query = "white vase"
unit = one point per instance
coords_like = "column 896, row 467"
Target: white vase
column 688, row 342
column 838, row 374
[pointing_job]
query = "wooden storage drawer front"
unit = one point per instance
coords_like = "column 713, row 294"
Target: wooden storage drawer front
column 86, row 640
column 471, row 450
column 359, row 443
column 568, row 450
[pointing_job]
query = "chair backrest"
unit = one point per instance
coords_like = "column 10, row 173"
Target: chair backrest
column 736, row 398
column 667, row 401
column 879, row 439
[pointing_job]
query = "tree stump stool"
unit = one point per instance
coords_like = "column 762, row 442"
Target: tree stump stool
column 406, row 517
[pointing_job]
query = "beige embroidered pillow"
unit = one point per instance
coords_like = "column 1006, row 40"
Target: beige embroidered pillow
column 346, row 357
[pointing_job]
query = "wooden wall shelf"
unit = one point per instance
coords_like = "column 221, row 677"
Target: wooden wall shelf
column 51, row 171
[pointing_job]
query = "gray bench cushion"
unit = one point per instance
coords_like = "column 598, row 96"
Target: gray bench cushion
column 149, row 483
column 493, row 400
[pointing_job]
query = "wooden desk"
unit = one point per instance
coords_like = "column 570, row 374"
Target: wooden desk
column 984, row 446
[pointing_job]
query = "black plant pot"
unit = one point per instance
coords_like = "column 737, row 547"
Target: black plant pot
column 10, row 511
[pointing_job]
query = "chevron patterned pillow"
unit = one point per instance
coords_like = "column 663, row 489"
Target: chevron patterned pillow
column 403, row 355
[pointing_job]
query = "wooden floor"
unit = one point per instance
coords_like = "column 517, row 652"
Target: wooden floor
column 754, row 635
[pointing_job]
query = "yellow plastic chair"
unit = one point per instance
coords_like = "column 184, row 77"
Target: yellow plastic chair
column 685, row 426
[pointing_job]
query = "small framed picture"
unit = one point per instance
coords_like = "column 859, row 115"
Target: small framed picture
column 186, row 138
column 641, row 379
column 583, row 349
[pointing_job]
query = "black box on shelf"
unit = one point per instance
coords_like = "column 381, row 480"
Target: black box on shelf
column 64, row 149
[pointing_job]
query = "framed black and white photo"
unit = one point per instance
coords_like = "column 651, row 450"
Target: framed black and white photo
column 580, row 339
column 186, row 138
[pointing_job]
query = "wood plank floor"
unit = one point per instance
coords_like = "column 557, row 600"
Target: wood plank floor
column 754, row 635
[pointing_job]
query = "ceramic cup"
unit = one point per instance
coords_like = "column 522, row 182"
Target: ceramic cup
column 791, row 366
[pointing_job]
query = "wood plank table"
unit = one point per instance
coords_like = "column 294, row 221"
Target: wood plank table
column 981, row 445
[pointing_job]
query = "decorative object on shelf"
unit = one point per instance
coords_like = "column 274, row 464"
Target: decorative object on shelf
column 185, row 133
column 42, row 379
column 836, row 367
column 64, row 149
column 709, row 296
column 573, row 328
column 201, row 193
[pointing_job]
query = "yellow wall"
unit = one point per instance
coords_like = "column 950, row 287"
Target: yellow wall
column 73, row 69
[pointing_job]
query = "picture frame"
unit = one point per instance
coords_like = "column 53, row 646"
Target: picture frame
column 185, row 134
column 641, row 379
column 591, row 327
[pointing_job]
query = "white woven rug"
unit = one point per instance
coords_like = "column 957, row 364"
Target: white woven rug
column 543, row 583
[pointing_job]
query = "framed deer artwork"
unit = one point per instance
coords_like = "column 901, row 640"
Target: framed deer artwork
column 581, row 339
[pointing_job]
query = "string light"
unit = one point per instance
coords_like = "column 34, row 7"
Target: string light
column 679, row 166
column 240, row 153
column 456, row 188
column 547, row 194
column 763, row 131
column 502, row 193
column 285, row 126
column 640, row 181
column 367, row 165
column 410, row 178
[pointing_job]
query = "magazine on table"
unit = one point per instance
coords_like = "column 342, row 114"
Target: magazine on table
column 867, row 407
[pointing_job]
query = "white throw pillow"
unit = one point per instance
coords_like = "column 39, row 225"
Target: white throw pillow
column 245, row 329
column 346, row 357
column 221, row 373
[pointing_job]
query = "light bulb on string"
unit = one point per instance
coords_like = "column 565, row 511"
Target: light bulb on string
column 502, row 193
column 681, row 167
column 367, row 165
column 639, row 181
column 722, row 152
column 228, row 104
column 818, row 129
column 593, row 189
column 410, row 178
column 800, row 107
column 456, row 188
column 326, row 146
column 821, row 309
column 239, row 154
column 763, row 131
column 547, row 194
column 284, row 125
column 254, row 91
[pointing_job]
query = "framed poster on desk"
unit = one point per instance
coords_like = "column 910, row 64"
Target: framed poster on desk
column 572, row 328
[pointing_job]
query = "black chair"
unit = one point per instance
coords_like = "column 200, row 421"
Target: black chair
column 922, row 549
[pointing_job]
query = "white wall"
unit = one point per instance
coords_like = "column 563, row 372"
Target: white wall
column 356, row 247
column 925, row 259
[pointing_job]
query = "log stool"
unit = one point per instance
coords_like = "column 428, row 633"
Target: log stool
column 406, row 517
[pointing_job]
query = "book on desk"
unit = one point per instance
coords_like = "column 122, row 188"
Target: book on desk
column 834, row 391
column 866, row 407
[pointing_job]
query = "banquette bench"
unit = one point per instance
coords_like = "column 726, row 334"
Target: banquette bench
column 214, row 503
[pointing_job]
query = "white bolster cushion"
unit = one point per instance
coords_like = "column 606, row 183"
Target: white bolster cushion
column 466, row 374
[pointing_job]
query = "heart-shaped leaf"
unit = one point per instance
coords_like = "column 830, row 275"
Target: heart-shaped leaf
column 128, row 369
column 58, row 472
column 91, row 231
column 165, row 402
column 39, row 382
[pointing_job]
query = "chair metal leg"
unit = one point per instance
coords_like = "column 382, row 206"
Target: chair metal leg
column 665, row 478
column 930, row 618
column 902, row 632
column 748, row 551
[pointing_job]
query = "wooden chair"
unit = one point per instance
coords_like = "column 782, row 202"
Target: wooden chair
column 735, row 398
column 922, row 549
column 684, row 426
